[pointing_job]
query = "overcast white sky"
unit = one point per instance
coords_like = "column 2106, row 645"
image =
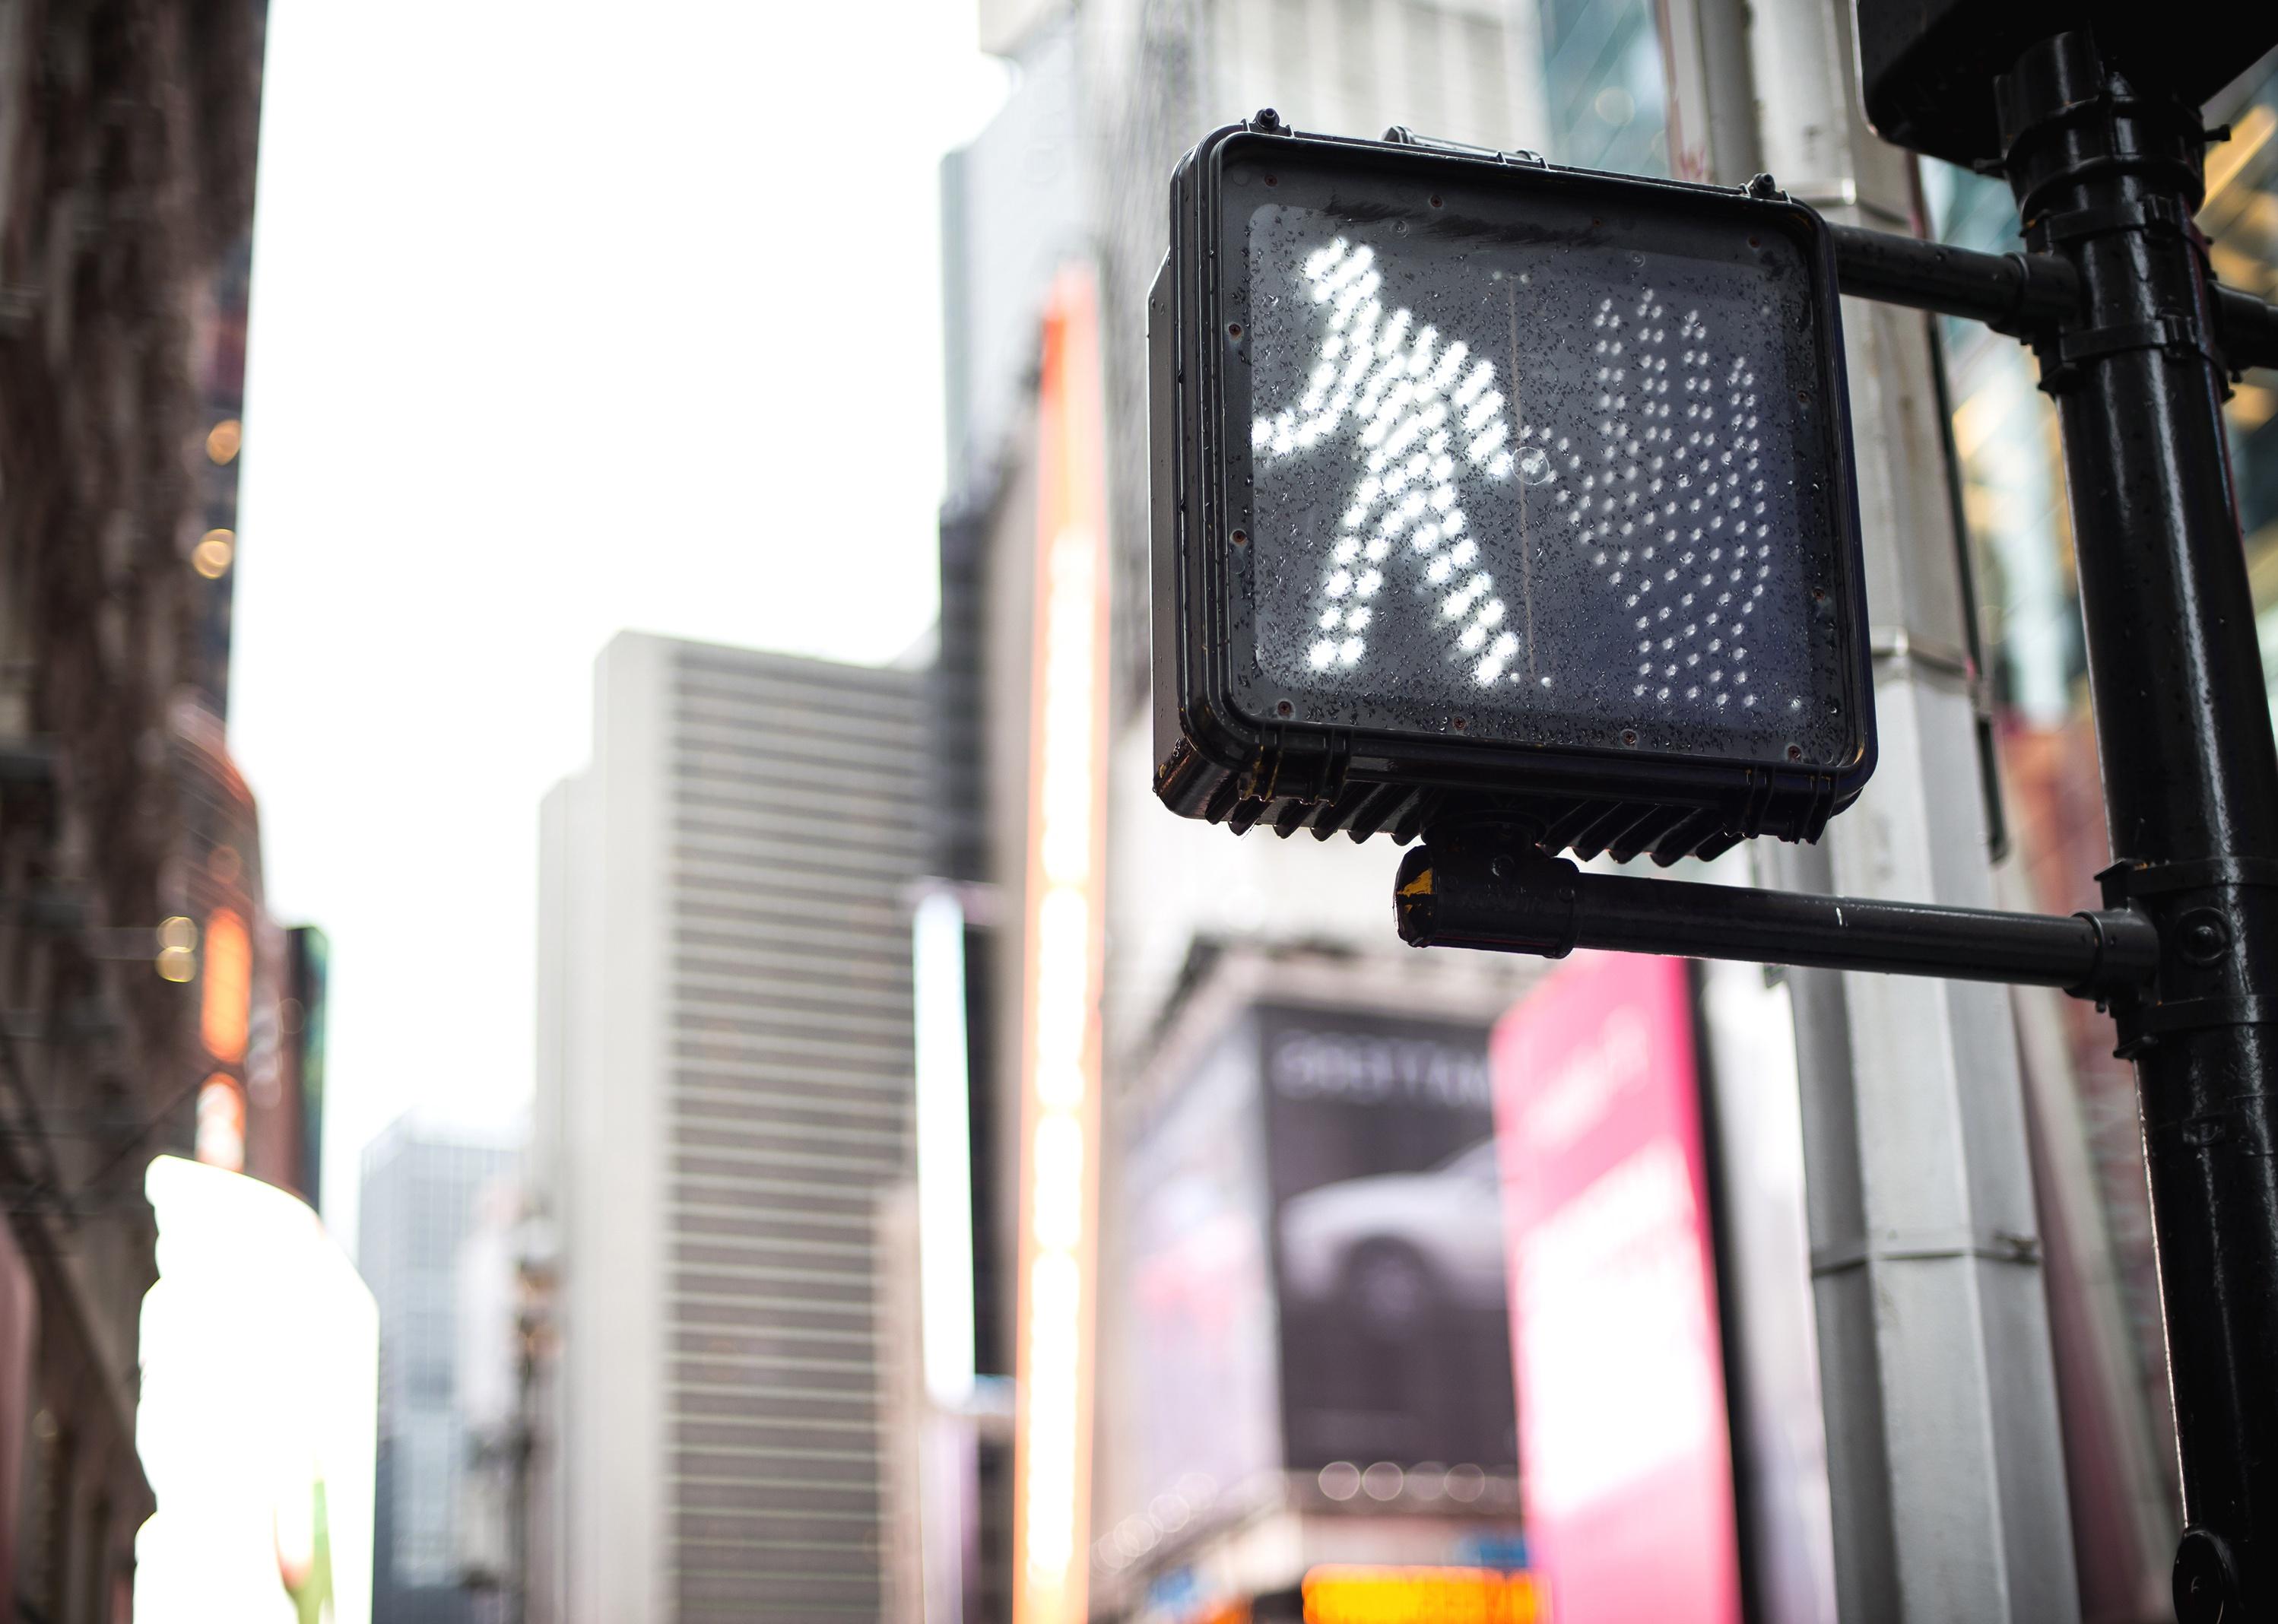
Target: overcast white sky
column 566, row 318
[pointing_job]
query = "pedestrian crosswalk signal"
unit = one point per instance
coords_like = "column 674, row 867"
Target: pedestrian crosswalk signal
column 1483, row 483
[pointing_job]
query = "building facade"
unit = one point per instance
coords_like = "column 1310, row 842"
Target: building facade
column 422, row 1184
column 1074, row 173
column 128, row 135
column 725, row 1081
column 1613, row 84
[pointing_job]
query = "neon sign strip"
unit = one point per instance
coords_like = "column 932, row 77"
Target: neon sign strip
column 1064, row 952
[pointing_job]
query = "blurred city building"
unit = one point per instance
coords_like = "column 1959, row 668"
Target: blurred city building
column 1304, row 1329
column 152, row 1005
column 1015, row 211
column 502, row 1315
column 422, row 1181
column 724, row 1096
column 1049, row 438
column 1073, row 172
column 260, row 985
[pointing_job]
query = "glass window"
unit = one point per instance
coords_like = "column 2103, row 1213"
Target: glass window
column 2005, row 431
column 2240, row 218
column 1603, row 85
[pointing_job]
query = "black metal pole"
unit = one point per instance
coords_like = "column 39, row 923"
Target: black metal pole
column 2249, row 327
column 1487, row 886
column 2009, row 292
column 2108, row 176
column 2018, row 294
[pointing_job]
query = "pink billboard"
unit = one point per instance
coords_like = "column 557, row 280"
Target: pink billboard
column 1625, row 1453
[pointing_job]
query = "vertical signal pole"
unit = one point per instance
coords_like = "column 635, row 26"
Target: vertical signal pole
column 2110, row 177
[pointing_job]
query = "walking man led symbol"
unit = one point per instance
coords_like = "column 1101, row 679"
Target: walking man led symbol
column 1670, row 509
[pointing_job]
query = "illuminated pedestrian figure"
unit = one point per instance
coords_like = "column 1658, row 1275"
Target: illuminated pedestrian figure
column 1417, row 403
column 1666, row 508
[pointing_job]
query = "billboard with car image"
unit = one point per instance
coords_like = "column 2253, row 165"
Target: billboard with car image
column 1308, row 1293
column 1387, row 1238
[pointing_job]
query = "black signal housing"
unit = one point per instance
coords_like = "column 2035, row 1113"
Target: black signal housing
column 1485, row 485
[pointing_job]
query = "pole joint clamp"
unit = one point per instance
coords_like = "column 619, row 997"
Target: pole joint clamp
column 2202, row 914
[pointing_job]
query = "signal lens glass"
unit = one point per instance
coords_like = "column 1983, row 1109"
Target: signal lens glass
column 1532, row 480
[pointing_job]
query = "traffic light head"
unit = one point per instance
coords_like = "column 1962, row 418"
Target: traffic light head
column 1484, row 484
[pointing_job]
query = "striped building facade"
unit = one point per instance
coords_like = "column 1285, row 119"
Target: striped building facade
column 724, row 1089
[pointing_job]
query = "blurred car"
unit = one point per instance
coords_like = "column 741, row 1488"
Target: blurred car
column 1393, row 1244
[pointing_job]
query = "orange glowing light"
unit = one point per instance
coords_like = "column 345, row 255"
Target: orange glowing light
column 227, row 1007
column 210, row 558
column 221, row 1140
column 1356, row 1594
column 224, row 438
column 1064, row 952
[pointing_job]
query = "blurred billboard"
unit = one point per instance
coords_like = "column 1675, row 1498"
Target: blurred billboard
column 1394, row 1339
column 1343, row 1593
column 1199, row 1287
column 1626, row 1453
column 260, row 1392
column 1311, row 1278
